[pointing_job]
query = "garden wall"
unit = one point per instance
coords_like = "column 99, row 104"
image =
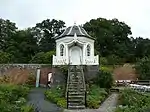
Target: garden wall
column 19, row 73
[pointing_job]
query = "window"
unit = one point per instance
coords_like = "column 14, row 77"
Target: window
column 61, row 50
column 88, row 50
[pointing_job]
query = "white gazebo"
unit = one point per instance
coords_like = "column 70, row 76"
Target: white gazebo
column 75, row 47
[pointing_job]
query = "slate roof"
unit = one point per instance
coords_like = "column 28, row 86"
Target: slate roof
column 70, row 31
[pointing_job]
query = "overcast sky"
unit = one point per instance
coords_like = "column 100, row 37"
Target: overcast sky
column 26, row 13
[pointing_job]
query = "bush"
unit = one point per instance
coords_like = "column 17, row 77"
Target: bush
column 103, row 61
column 27, row 108
column 62, row 102
column 113, row 60
column 4, row 79
column 95, row 96
column 12, row 97
column 106, row 68
column 31, row 80
column 104, row 79
column 143, row 68
column 56, row 95
column 133, row 101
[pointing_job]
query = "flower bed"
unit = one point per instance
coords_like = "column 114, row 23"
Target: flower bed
column 95, row 96
column 13, row 98
column 57, row 96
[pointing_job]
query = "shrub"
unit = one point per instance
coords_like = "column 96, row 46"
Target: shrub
column 104, row 79
column 95, row 96
column 133, row 101
column 56, row 95
column 31, row 80
column 4, row 79
column 113, row 59
column 12, row 97
column 27, row 108
column 106, row 68
column 103, row 61
column 62, row 102
column 143, row 68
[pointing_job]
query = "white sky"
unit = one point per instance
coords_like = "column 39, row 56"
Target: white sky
column 26, row 13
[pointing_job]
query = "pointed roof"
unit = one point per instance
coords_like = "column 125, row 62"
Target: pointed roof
column 70, row 31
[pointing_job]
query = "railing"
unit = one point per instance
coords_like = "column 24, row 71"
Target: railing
column 91, row 60
column 67, row 99
column 59, row 60
column 84, row 86
column 68, row 79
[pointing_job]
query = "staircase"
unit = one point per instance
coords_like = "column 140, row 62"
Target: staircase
column 76, row 90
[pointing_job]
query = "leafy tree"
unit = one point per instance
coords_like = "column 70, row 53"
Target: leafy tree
column 7, row 30
column 43, row 58
column 142, row 47
column 104, row 79
column 5, row 57
column 44, row 32
column 143, row 68
column 111, row 36
column 23, row 46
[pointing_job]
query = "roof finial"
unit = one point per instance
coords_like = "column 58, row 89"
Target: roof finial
column 74, row 22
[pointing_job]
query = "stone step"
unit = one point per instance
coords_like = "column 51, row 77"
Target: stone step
column 76, row 107
column 76, row 96
column 76, row 90
column 75, row 82
column 75, row 101
column 76, row 93
column 75, row 86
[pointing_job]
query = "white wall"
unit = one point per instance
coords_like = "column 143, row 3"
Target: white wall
column 83, row 41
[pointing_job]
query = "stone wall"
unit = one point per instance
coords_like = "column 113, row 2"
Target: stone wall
column 19, row 72
column 90, row 72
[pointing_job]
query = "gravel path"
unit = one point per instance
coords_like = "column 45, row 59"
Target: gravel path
column 109, row 104
column 37, row 98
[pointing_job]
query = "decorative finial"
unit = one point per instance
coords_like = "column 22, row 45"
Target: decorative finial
column 74, row 22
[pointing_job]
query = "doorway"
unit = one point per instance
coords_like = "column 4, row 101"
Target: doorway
column 75, row 55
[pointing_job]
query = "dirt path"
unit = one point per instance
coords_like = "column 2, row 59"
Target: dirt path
column 37, row 98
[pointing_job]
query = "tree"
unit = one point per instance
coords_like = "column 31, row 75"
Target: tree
column 104, row 79
column 143, row 68
column 43, row 58
column 23, row 46
column 44, row 32
column 7, row 30
column 5, row 57
column 142, row 47
column 111, row 36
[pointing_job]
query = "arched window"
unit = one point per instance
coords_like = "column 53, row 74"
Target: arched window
column 61, row 50
column 88, row 50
